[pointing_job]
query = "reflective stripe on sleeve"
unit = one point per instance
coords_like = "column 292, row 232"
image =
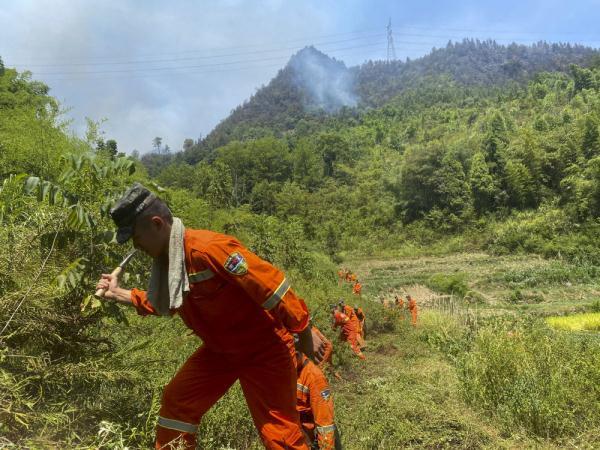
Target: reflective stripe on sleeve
column 201, row 276
column 274, row 299
column 177, row 425
column 302, row 388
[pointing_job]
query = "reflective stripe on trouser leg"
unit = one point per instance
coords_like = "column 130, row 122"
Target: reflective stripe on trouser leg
column 177, row 425
column 326, row 429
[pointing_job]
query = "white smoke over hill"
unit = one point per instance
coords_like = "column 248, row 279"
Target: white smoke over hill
column 326, row 83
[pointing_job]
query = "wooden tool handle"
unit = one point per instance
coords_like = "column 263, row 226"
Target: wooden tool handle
column 115, row 273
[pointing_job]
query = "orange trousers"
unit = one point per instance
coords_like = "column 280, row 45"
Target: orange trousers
column 352, row 340
column 268, row 380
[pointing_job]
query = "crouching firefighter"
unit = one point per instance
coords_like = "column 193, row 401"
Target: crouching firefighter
column 315, row 405
column 241, row 307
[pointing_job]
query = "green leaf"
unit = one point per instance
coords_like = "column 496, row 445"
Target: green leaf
column 78, row 163
column 66, row 175
column 31, row 184
column 70, row 278
column 43, row 190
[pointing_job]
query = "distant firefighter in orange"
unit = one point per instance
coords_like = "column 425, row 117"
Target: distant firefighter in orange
column 412, row 307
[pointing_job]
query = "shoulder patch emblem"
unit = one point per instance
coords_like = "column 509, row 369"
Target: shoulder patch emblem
column 236, row 264
column 326, row 394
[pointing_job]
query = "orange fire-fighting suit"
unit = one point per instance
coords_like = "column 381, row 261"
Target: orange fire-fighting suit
column 244, row 311
column 315, row 406
column 360, row 315
column 349, row 311
column 348, row 331
column 412, row 306
column 357, row 288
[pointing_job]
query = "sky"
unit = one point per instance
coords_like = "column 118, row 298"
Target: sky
column 175, row 69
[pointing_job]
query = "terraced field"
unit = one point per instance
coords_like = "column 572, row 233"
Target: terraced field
column 508, row 284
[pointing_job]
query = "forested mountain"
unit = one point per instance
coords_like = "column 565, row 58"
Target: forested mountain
column 313, row 85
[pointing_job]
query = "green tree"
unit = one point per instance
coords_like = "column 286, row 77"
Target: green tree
column 483, row 186
column 333, row 149
column 307, row 165
column 157, row 144
column 453, row 186
column 591, row 137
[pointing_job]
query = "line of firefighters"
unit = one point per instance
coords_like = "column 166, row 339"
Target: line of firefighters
column 346, row 275
column 410, row 305
column 314, row 399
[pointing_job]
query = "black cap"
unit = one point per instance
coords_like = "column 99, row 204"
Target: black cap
column 134, row 201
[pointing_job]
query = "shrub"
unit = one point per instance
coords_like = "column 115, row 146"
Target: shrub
column 454, row 284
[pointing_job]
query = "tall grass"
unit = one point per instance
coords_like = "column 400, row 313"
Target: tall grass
column 534, row 379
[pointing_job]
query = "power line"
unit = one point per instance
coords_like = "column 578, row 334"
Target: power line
column 130, row 62
column 391, row 50
column 177, row 72
column 130, row 70
column 216, row 49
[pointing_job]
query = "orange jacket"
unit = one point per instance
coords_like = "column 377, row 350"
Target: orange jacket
column 412, row 304
column 357, row 288
column 348, row 327
column 237, row 301
column 315, row 405
column 349, row 311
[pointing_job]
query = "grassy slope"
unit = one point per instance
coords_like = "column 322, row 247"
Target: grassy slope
column 406, row 394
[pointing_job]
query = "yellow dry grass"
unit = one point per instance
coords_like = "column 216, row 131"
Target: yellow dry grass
column 576, row 322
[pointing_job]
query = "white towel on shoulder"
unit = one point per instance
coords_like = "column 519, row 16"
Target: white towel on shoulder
column 168, row 287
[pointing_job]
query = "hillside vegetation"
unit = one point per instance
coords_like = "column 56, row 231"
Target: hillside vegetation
column 486, row 192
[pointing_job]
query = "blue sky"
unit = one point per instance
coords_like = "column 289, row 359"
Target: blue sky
column 175, row 69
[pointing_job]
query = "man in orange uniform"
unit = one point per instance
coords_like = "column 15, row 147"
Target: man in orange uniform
column 357, row 288
column 315, row 406
column 239, row 305
column 349, row 311
column 348, row 330
column 412, row 307
column 360, row 315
